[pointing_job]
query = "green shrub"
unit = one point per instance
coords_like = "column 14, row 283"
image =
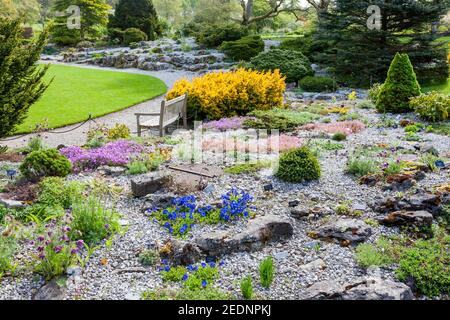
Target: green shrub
column 119, row 131
column 137, row 167
column 208, row 293
column 213, row 36
column 339, row 136
column 401, row 85
column 433, row 106
column 374, row 92
column 303, row 44
column 266, row 272
column 247, row 287
column 35, row 144
column 292, row 64
column 92, row 222
column 45, row 163
column 298, row 165
column 427, row 262
column 54, row 191
column 318, row 84
column 243, row 49
column 133, row 35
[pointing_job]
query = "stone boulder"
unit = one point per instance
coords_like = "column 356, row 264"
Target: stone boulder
column 417, row 202
column 51, row 291
column 408, row 218
column 259, row 232
column 370, row 288
column 180, row 253
column 149, row 183
column 345, row 231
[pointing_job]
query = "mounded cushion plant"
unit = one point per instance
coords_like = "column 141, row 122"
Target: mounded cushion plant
column 243, row 49
column 45, row 163
column 293, row 65
column 214, row 35
column 400, row 86
column 298, row 165
column 132, row 35
column 235, row 93
column 433, row 106
column 318, row 84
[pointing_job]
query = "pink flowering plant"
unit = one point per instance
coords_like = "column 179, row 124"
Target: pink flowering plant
column 226, row 123
column 346, row 127
column 117, row 153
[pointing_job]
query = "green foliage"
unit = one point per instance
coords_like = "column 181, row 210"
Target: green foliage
column 92, row 222
column 149, row 257
column 366, row 104
column 247, row 287
column 246, row 168
column 139, row 14
column 373, row 255
column 45, row 163
column 35, row 144
column 401, row 85
column 20, row 77
column 208, row 293
column 433, row 106
column 281, row 119
column 137, row 167
column 292, row 64
column 243, row 49
column 8, row 246
column 133, row 35
column 374, row 92
column 339, row 136
column 318, row 84
column 266, row 272
column 298, row 165
column 94, row 17
column 214, row 35
column 430, row 161
column 427, row 262
column 361, row 165
column 55, row 191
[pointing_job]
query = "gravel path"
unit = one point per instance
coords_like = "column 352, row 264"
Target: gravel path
column 126, row 116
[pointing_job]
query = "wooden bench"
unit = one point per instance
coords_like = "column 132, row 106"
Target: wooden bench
column 171, row 111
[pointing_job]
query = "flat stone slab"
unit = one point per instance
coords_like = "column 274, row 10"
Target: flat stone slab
column 401, row 218
column 11, row 204
column 258, row 233
column 149, row 183
column 345, row 231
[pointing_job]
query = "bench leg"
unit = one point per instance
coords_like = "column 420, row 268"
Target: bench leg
column 161, row 132
column 139, row 132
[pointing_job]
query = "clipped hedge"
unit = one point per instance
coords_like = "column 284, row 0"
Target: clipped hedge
column 213, row 36
column 318, row 84
column 298, row 165
column 292, row 64
column 235, row 93
column 243, row 49
column 132, row 35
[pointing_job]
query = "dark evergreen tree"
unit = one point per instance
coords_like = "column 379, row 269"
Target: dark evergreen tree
column 359, row 55
column 139, row 14
column 20, row 76
column 401, row 85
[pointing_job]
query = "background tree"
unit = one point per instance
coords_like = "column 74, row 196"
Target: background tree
column 139, row 14
column 94, row 18
column 20, row 76
column 7, row 9
column 359, row 55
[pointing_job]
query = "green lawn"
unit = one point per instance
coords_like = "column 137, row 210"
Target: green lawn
column 77, row 92
column 444, row 88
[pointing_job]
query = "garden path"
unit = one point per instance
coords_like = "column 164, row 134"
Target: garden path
column 126, row 116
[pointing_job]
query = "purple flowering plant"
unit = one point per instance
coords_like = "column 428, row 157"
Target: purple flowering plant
column 226, row 123
column 116, row 153
column 53, row 250
column 179, row 218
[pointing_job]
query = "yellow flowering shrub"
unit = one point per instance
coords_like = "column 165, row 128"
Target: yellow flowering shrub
column 226, row 94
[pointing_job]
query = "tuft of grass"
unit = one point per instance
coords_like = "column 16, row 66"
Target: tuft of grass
column 361, row 166
column 149, row 257
column 137, row 167
column 266, row 272
column 247, row 287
